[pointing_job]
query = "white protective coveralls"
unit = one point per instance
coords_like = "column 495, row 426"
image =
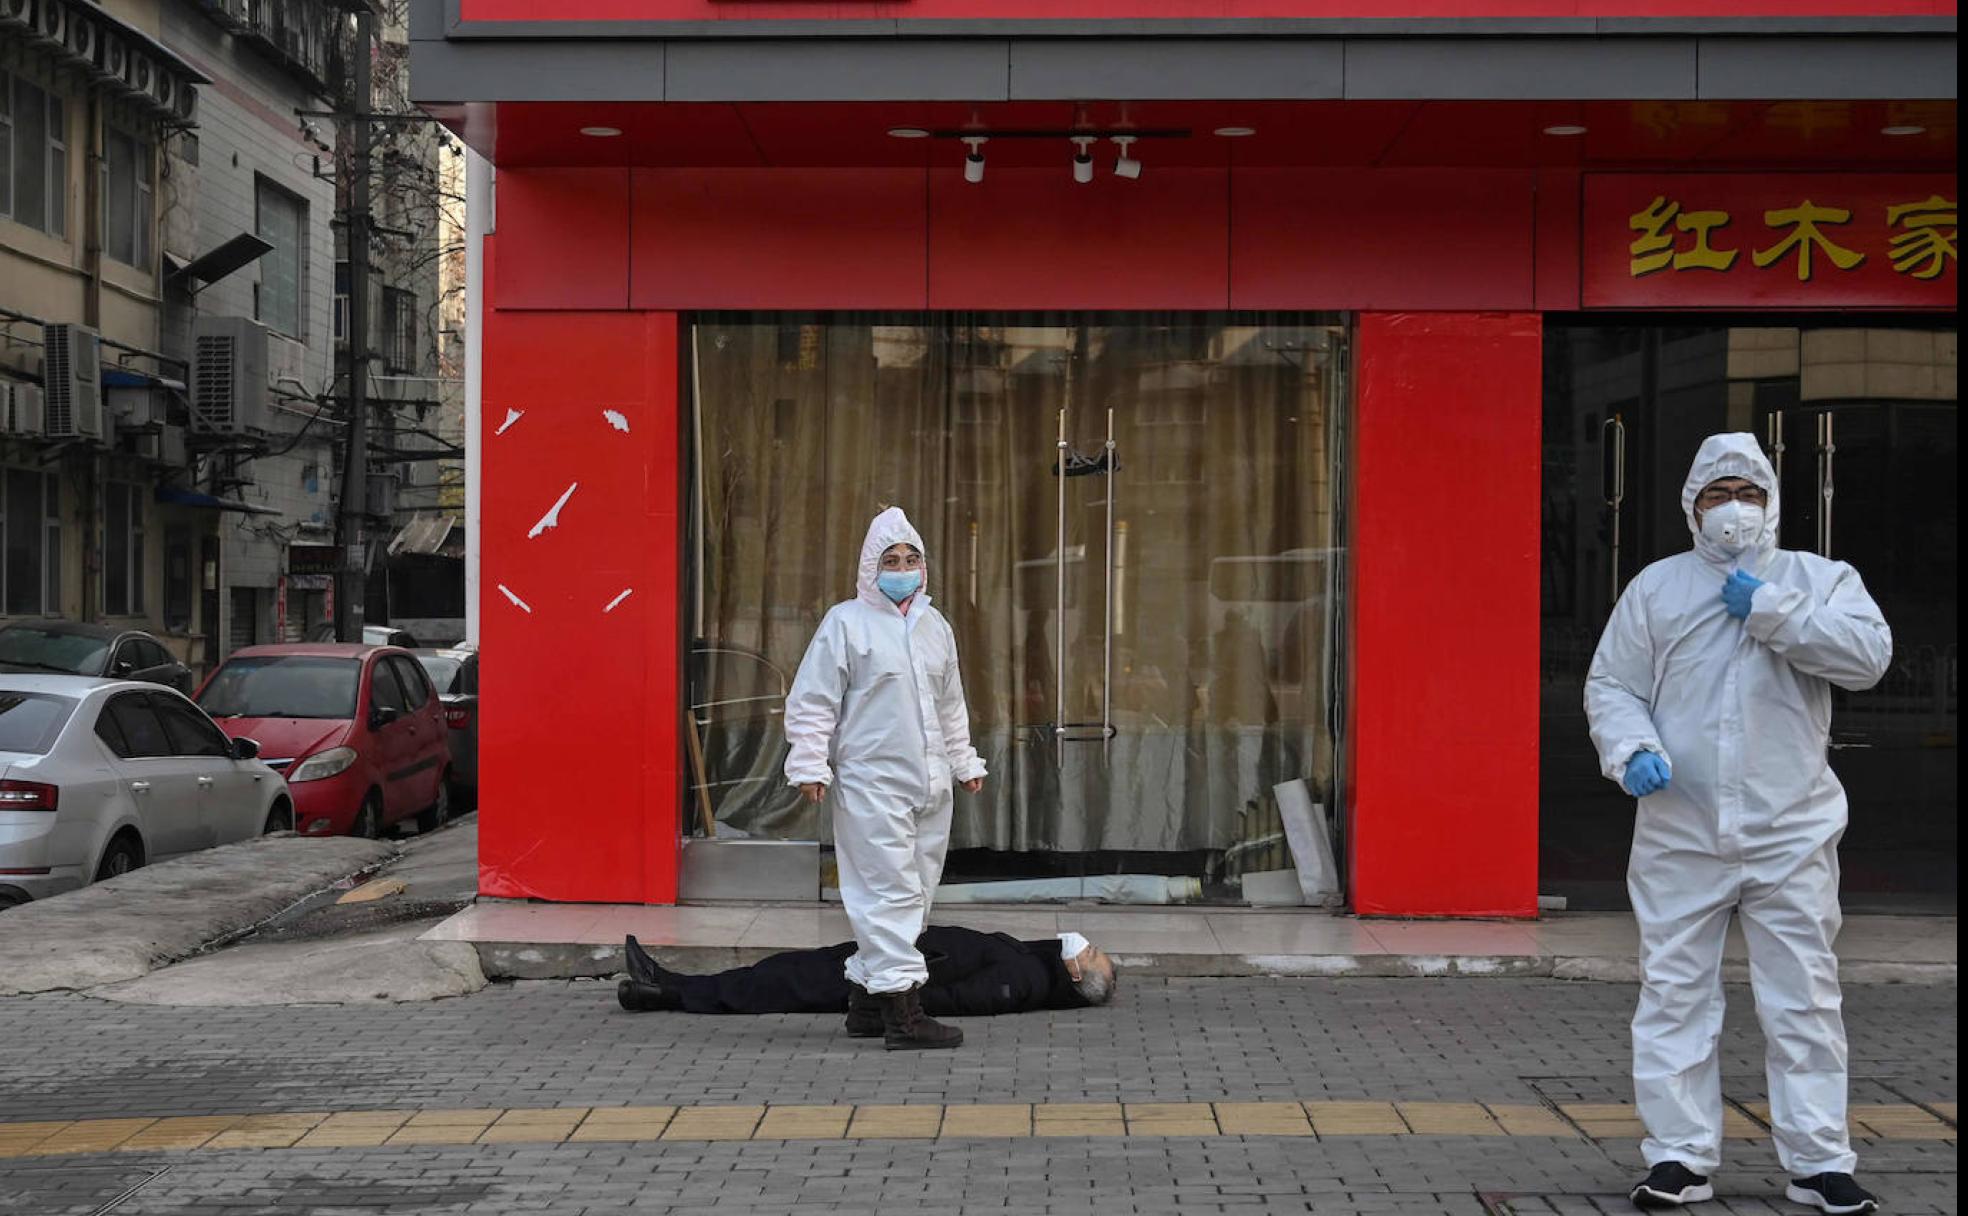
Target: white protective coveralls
column 1750, row 819
column 877, row 714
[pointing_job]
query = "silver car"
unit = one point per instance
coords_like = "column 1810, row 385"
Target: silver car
column 98, row 777
column 454, row 673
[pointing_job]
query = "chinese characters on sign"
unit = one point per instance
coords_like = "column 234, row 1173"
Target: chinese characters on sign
column 1725, row 240
column 1922, row 250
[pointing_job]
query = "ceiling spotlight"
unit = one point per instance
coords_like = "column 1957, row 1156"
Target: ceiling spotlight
column 1235, row 132
column 974, row 159
column 1903, row 129
column 1125, row 165
column 908, row 133
column 602, row 132
column 1083, row 157
column 1564, row 128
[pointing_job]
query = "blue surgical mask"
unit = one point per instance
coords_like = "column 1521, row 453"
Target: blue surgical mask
column 898, row 585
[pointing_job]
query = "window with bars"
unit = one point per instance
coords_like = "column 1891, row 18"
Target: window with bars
column 33, row 155
column 282, row 223
column 399, row 330
column 129, row 198
column 123, row 549
column 30, row 540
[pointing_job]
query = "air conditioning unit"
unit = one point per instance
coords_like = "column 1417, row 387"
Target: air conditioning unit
column 50, row 22
column 163, row 445
column 187, row 103
column 71, row 370
column 113, row 56
column 134, row 406
column 142, row 70
column 164, row 90
column 80, row 38
column 21, row 408
column 229, row 375
column 171, row 447
column 16, row 13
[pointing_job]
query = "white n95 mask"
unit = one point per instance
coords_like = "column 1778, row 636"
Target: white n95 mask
column 1735, row 526
column 1071, row 945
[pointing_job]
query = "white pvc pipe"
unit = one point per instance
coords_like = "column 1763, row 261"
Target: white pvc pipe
column 479, row 222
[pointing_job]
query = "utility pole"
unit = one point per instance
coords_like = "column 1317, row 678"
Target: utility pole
column 352, row 583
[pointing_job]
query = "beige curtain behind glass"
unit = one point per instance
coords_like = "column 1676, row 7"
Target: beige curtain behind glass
column 1218, row 634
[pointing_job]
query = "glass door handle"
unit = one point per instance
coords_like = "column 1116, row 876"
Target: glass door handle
column 1059, row 585
column 1827, row 455
column 1109, row 454
column 1612, row 443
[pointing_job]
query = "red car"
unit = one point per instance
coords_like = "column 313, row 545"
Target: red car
column 357, row 731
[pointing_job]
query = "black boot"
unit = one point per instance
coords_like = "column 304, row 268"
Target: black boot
column 638, row 997
column 641, row 966
column 905, row 1027
column 864, row 1013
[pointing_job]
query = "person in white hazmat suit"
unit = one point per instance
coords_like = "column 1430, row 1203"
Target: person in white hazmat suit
column 1709, row 700
column 877, row 716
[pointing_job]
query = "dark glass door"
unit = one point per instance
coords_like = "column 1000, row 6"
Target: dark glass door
column 1861, row 423
column 1873, row 483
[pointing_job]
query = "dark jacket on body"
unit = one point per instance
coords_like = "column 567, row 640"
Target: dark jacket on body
column 971, row 974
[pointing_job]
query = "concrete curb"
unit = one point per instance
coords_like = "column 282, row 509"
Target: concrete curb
column 566, row 960
column 124, row 927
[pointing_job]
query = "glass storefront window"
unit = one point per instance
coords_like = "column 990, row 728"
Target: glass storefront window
column 1860, row 421
column 1134, row 730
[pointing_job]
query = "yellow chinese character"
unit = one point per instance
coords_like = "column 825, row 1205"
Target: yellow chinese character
column 1803, row 221
column 1703, row 256
column 1654, row 248
column 1922, row 250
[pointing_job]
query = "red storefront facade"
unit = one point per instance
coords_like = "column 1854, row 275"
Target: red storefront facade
column 1446, row 180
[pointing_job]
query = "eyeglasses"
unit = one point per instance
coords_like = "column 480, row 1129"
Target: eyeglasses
column 1715, row 496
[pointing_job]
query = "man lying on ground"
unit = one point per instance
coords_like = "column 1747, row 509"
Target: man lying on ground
column 971, row 974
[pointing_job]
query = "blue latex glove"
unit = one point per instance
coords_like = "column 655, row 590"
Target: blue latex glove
column 1646, row 774
column 1736, row 592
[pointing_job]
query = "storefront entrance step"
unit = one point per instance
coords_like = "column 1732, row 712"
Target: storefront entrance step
column 517, row 940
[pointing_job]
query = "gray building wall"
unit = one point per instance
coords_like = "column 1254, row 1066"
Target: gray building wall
column 248, row 130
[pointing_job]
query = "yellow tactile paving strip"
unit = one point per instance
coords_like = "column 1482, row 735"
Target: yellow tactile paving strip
column 925, row 1121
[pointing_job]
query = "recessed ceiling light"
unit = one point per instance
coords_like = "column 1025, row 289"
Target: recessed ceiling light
column 1565, row 128
column 1903, row 129
column 601, row 132
column 1235, row 132
column 908, row 133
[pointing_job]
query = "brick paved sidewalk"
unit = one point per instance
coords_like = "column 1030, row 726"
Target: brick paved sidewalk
column 1182, row 1058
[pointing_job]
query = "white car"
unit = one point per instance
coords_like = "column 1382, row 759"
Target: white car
column 98, row 777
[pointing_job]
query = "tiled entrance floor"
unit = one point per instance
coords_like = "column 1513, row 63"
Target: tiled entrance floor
column 1188, row 941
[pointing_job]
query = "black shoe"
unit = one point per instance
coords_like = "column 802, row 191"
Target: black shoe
column 641, row 966
column 1835, row 1193
column 1671, row 1185
column 864, row 1014
column 638, row 997
column 905, row 1027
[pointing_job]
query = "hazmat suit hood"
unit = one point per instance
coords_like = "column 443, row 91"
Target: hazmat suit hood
column 1729, row 455
column 891, row 527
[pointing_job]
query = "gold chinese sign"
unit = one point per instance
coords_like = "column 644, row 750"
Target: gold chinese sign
column 1769, row 240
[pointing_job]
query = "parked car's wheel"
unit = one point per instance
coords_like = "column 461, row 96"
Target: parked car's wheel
column 433, row 816
column 279, row 819
column 369, row 820
column 124, row 854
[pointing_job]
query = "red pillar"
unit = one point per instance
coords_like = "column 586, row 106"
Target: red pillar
column 581, row 722
column 1444, row 733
